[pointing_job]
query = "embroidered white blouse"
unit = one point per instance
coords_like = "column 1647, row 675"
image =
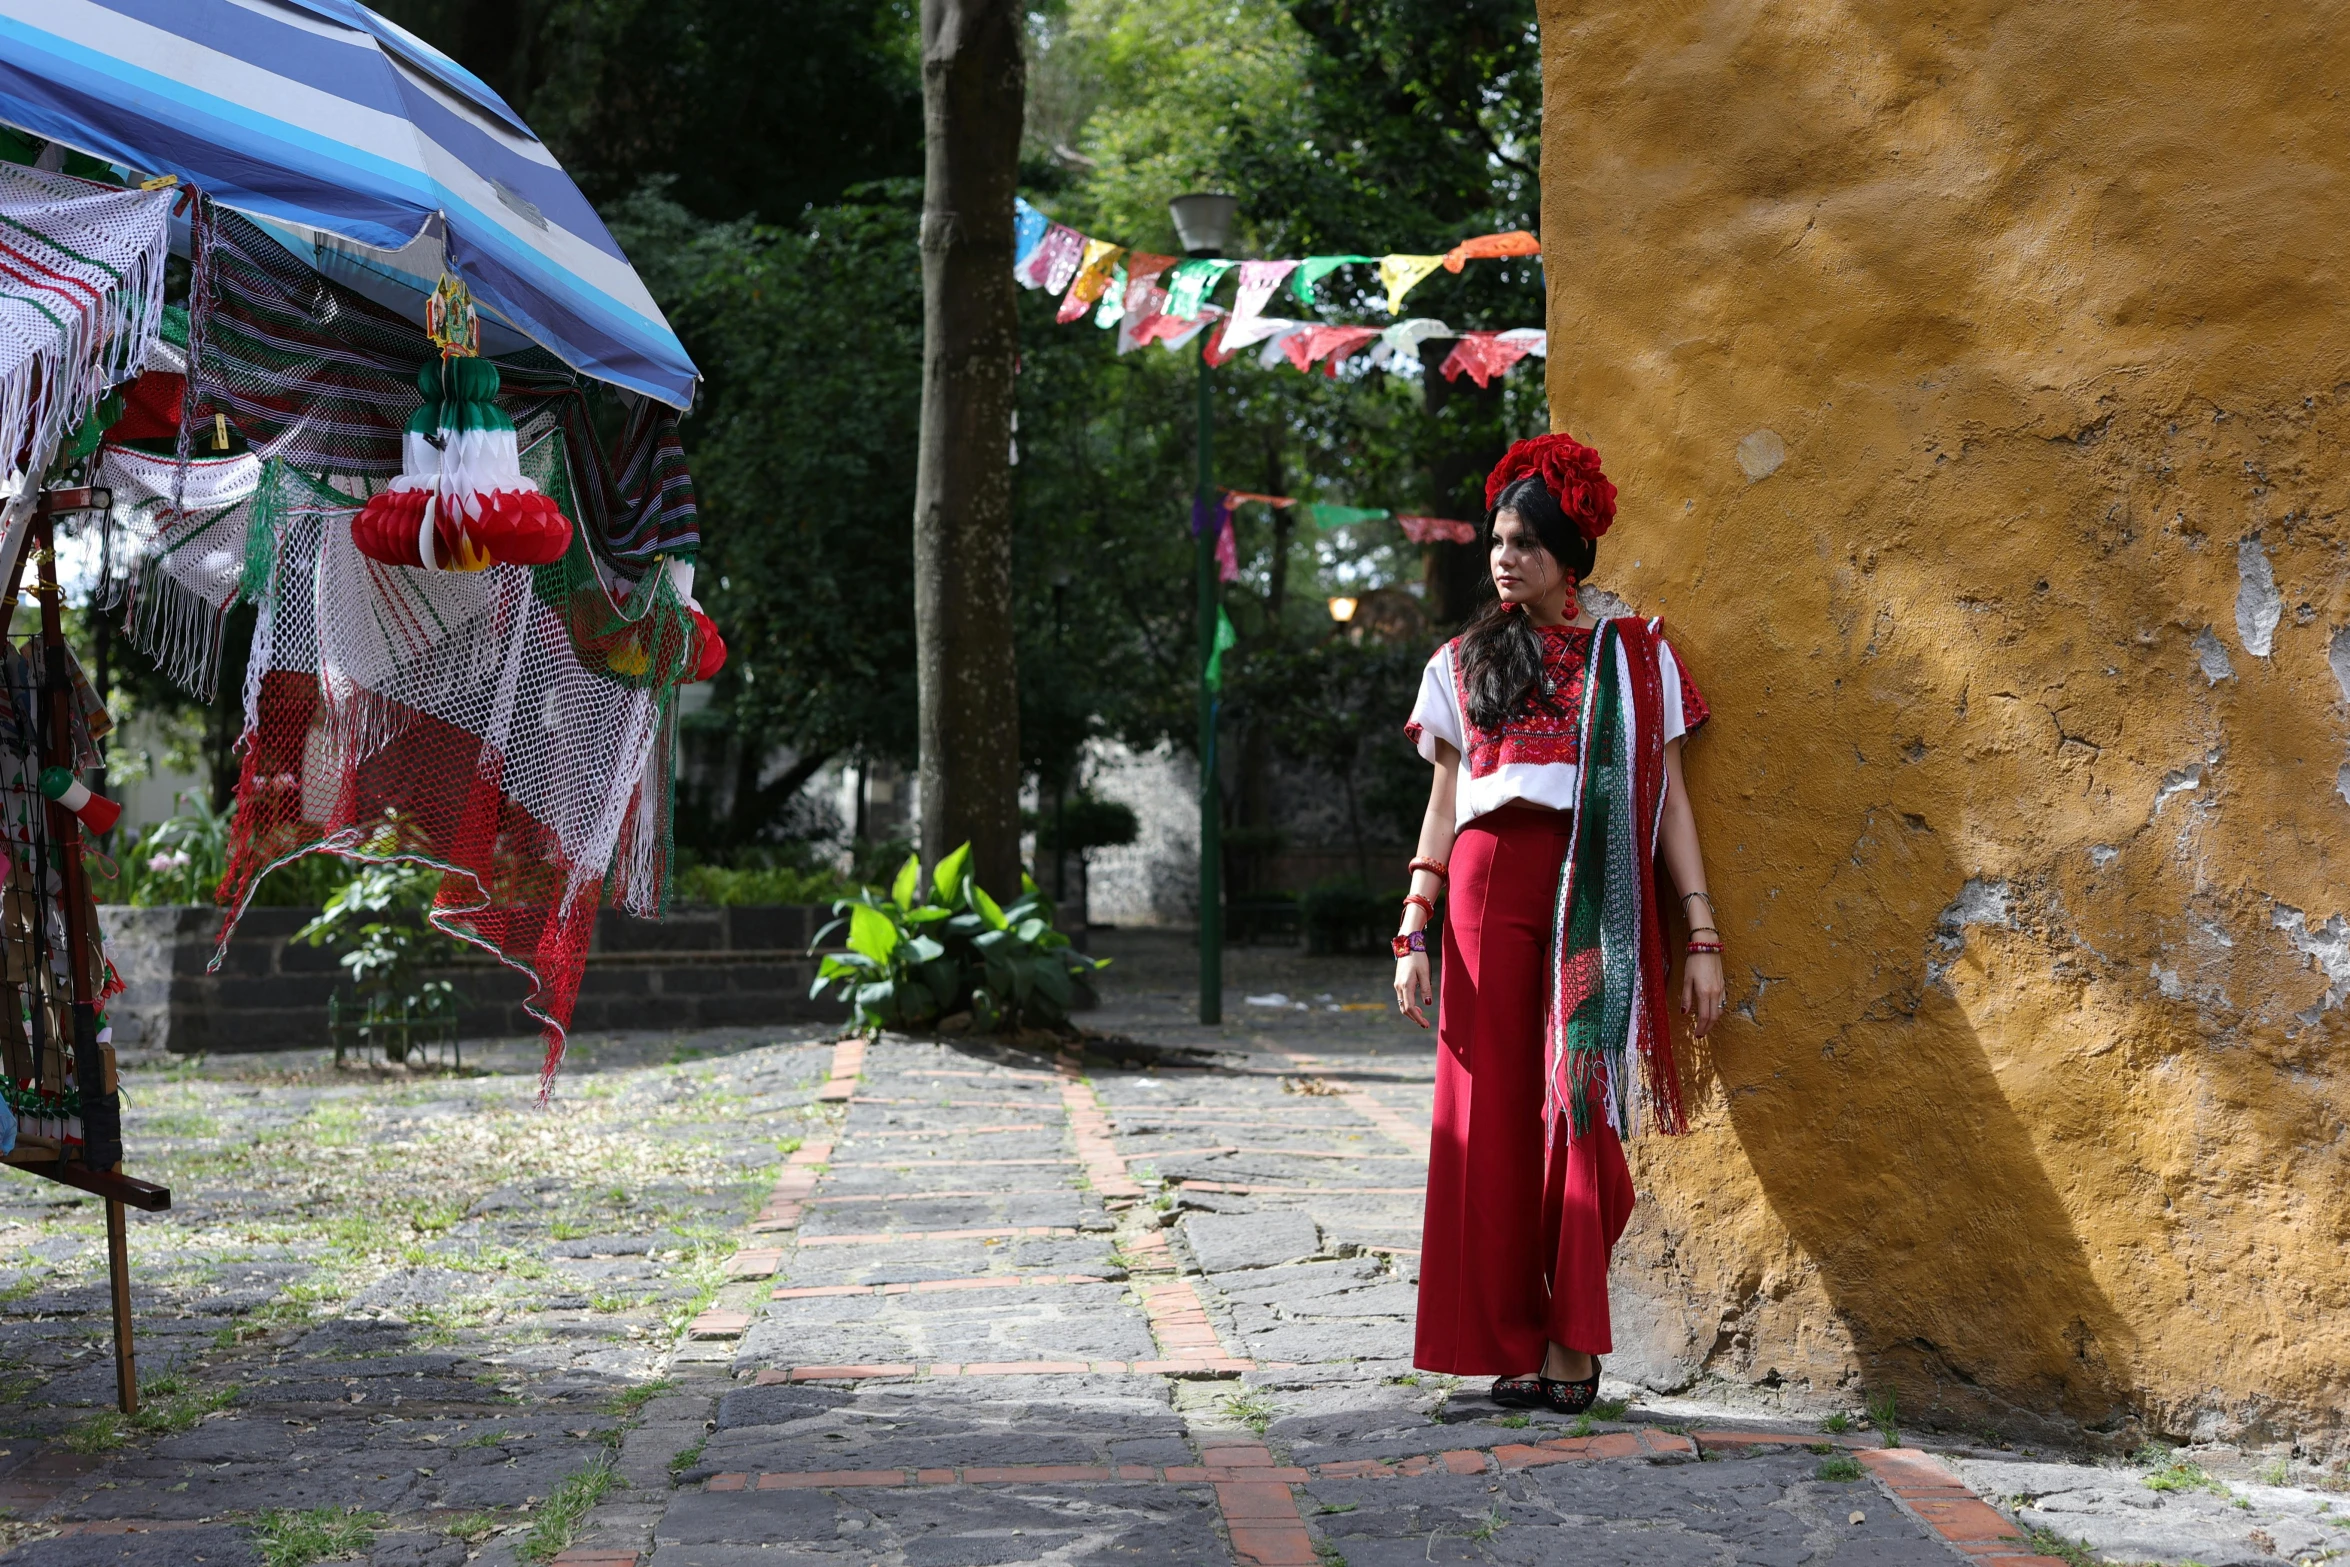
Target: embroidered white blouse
column 1537, row 757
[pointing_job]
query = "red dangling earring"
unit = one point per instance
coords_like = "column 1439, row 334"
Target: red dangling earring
column 1574, row 601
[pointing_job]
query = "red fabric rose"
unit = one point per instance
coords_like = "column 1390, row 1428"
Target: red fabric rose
column 1569, row 470
column 709, row 648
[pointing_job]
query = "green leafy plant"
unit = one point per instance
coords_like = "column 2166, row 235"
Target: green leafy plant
column 181, row 858
column 1837, row 1424
column 915, row 956
column 380, row 920
column 730, row 887
column 1843, row 1468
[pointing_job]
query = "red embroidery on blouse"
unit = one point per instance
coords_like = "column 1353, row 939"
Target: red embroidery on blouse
column 1694, row 708
column 1534, row 738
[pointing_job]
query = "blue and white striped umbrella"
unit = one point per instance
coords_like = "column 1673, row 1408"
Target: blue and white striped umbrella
column 326, row 118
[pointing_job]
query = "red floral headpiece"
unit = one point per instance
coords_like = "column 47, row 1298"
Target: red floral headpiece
column 1569, row 470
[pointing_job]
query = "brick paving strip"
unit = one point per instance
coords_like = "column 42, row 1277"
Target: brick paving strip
column 1255, row 1490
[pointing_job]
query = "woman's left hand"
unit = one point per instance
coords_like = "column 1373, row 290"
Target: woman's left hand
column 1702, row 991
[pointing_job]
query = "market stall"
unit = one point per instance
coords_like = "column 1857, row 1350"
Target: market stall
column 295, row 312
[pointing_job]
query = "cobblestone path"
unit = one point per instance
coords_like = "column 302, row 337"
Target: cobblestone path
column 1152, row 1307
column 770, row 1298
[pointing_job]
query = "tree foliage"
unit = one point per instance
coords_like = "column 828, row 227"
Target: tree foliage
column 755, row 161
column 749, row 107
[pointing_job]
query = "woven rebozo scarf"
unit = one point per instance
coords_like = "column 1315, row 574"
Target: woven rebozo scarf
column 1606, row 1022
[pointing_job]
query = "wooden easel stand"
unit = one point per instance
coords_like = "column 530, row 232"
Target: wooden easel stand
column 119, row 1191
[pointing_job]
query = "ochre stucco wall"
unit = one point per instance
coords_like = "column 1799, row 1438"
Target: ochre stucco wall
column 2023, row 796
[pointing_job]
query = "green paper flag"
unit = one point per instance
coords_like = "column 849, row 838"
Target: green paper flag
column 1225, row 637
column 1342, row 516
column 1315, row 268
column 1190, row 283
column 1113, row 305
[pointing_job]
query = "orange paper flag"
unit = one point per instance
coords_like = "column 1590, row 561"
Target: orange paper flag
column 1515, row 243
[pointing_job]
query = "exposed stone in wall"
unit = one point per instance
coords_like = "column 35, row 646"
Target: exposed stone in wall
column 1975, row 378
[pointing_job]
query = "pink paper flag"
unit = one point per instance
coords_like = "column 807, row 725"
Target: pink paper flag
column 1258, row 280
column 1054, row 261
column 1338, row 343
column 1484, row 355
column 1433, row 530
column 1145, row 300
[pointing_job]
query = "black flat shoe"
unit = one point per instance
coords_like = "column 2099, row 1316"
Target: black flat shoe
column 1572, row 1398
column 1517, row 1392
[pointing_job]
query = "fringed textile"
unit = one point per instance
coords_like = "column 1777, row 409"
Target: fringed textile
column 509, row 727
column 174, row 567
column 1606, row 1022
column 81, row 292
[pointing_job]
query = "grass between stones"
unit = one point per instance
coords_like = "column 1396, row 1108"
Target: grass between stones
column 1252, row 1408
column 2074, row 1553
column 473, row 1528
column 289, row 1539
column 1885, row 1418
column 364, row 1183
column 559, row 1517
column 168, row 1405
column 1842, row 1468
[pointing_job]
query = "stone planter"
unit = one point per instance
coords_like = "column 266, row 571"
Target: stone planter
column 700, row 968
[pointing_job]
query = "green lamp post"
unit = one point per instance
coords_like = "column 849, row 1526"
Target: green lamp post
column 1203, row 227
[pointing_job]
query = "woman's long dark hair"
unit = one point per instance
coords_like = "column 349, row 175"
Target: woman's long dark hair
column 1501, row 652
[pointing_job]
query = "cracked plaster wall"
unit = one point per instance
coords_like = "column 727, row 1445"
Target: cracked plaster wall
column 1974, row 376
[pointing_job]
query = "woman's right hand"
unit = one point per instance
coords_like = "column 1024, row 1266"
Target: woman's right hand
column 1412, row 989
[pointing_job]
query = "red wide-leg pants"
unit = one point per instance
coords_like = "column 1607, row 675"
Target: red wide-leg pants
column 1512, row 1253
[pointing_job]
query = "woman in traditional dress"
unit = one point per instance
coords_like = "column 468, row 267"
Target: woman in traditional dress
column 1556, row 739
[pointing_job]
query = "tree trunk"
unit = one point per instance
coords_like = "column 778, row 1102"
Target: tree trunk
column 969, row 691
column 1455, row 573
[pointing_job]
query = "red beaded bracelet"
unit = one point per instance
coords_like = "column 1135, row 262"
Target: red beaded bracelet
column 1696, row 947
column 1423, row 863
column 1422, row 902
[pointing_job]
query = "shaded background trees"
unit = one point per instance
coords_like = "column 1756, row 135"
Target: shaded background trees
column 759, row 162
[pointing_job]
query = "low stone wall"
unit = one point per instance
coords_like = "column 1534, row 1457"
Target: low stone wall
column 700, row 968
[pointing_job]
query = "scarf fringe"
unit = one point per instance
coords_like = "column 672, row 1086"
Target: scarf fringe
column 46, row 396
column 177, row 628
